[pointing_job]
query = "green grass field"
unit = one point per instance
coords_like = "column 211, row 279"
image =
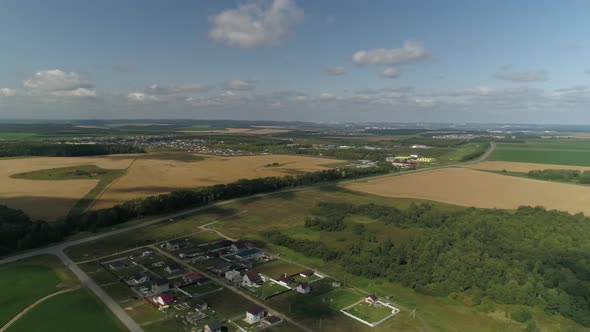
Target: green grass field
column 74, row 311
column 558, row 152
column 93, row 172
column 24, row 282
column 276, row 268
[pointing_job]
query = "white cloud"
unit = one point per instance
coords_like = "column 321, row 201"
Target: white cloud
column 7, row 92
column 255, row 24
column 336, row 71
column 506, row 74
column 140, row 97
column 56, row 80
column 389, row 72
column 240, row 85
column 410, row 52
column 156, row 89
column 80, row 92
column 58, row 83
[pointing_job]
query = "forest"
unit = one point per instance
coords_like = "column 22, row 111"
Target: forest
column 63, row 150
column 531, row 257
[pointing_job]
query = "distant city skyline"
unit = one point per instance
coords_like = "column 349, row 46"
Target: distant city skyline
column 296, row 60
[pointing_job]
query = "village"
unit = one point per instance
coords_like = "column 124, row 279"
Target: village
column 180, row 277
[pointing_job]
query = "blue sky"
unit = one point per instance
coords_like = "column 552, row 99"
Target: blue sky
column 452, row 61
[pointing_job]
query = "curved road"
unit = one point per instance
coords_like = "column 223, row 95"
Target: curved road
column 58, row 249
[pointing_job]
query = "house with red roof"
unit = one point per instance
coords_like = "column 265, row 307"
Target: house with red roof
column 163, row 300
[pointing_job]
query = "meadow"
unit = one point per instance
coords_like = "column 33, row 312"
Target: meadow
column 73, row 311
column 26, row 281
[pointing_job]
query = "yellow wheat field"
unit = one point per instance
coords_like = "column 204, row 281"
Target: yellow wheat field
column 49, row 199
column 468, row 187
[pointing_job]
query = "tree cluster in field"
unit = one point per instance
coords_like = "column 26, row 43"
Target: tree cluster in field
column 567, row 175
column 531, row 257
column 63, row 150
column 17, row 231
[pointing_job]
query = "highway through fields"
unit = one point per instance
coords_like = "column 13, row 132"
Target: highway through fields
column 58, row 249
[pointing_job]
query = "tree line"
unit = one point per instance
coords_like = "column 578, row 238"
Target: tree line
column 18, row 232
column 530, row 257
column 14, row 149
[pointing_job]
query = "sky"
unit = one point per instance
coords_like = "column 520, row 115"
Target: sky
column 305, row 60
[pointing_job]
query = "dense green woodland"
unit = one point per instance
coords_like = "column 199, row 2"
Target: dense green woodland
column 18, row 232
column 532, row 256
column 63, row 150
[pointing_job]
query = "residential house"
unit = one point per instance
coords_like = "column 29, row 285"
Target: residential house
column 251, row 279
column 194, row 278
column 160, row 285
column 191, row 253
column 163, row 300
column 173, row 268
column 200, row 304
column 249, row 254
column 175, row 244
column 138, row 278
column 233, row 276
column 271, row 320
column 307, row 273
column 254, row 314
column 303, row 288
column 239, row 246
column 285, row 279
column 220, row 245
column 220, row 268
column 214, row 326
column 372, row 299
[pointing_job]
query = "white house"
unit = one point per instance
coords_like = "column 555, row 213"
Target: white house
column 233, row 276
column 303, row 288
column 254, row 314
column 251, row 279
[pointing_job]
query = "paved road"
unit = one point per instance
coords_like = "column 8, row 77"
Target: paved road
column 232, row 288
column 101, row 294
column 58, row 249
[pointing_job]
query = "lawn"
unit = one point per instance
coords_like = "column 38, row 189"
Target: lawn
column 559, row 152
column 371, row 314
column 268, row 289
column 200, row 289
column 74, row 311
column 24, row 282
column 276, row 268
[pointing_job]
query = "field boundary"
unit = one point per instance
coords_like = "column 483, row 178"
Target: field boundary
column 34, row 304
column 104, row 190
column 394, row 311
